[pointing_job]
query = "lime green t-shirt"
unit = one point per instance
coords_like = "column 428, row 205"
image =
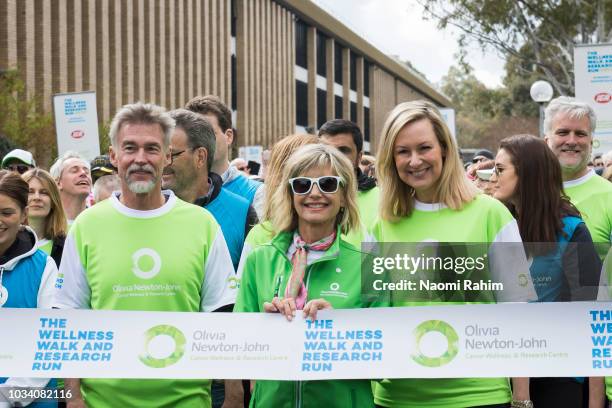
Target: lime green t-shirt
column 45, row 245
column 483, row 220
column 592, row 195
column 173, row 258
column 368, row 202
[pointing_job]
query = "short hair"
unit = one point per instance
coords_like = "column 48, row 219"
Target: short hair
column 335, row 127
column 198, row 130
column 607, row 158
column 453, row 189
column 55, row 224
column 570, row 106
column 13, row 186
column 278, row 158
column 607, row 174
column 107, row 182
column 142, row 113
column 307, row 157
column 57, row 168
column 367, row 160
column 211, row 104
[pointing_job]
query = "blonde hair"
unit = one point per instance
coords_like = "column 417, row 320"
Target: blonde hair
column 284, row 217
column 453, row 188
column 55, row 223
column 278, row 158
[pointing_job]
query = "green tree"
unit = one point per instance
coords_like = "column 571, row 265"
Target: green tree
column 484, row 116
column 539, row 34
column 22, row 123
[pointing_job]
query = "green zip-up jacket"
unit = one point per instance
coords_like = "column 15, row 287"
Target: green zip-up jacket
column 336, row 277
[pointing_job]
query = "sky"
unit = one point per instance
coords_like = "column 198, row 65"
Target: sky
column 397, row 28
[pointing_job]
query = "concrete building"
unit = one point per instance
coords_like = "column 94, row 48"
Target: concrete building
column 283, row 65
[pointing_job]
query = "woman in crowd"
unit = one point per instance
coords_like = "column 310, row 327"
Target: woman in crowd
column 46, row 213
column 426, row 197
column 480, row 173
column 565, row 265
column 27, row 275
column 314, row 204
column 264, row 231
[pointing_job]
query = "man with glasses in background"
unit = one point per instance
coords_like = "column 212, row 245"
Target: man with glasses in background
column 18, row 160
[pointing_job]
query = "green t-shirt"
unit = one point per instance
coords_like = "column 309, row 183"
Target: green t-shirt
column 592, row 195
column 368, row 202
column 45, row 245
column 483, row 220
column 173, row 258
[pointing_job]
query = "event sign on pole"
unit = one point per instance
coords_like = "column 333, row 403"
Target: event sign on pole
column 593, row 75
column 251, row 153
column 448, row 114
column 76, row 123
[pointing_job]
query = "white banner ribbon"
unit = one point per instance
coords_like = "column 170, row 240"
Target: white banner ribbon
column 502, row 340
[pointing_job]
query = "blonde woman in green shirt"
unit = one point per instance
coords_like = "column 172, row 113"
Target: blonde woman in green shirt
column 426, row 197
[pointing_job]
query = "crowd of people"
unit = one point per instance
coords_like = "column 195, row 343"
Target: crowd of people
column 166, row 207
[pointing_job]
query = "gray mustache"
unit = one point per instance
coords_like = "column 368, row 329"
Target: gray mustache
column 135, row 167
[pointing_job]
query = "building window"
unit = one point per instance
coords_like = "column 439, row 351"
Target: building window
column 366, row 78
column 338, row 63
column 301, row 44
column 353, row 71
column 301, row 103
column 321, row 54
column 321, row 107
column 366, row 124
column 234, row 84
column 234, row 17
column 353, row 112
column 338, row 106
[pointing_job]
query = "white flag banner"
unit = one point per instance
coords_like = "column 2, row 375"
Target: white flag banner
column 500, row 340
column 593, row 77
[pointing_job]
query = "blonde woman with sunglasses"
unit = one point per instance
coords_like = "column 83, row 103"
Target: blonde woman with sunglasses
column 308, row 266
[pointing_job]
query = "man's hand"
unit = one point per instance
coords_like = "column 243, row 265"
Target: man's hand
column 234, row 396
column 73, row 388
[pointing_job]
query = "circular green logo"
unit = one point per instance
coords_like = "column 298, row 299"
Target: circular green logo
column 179, row 346
column 523, row 280
column 447, row 331
column 234, row 283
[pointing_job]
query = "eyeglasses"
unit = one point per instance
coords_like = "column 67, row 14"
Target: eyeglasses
column 326, row 184
column 19, row 168
column 174, row 155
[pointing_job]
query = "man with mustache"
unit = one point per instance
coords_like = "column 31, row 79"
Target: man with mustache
column 141, row 238
column 568, row 126
column 72, row 175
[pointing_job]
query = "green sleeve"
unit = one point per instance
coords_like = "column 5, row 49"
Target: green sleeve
column 246, row 301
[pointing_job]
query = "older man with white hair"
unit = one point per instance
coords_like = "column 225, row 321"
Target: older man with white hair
column 73, row 177
column 569, row 125
column 179, row 245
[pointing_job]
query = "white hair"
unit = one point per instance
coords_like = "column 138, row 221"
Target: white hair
column 571, row 106
column 607, row 158
column 106, row 184
column 57, row 168
column 143, row 113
